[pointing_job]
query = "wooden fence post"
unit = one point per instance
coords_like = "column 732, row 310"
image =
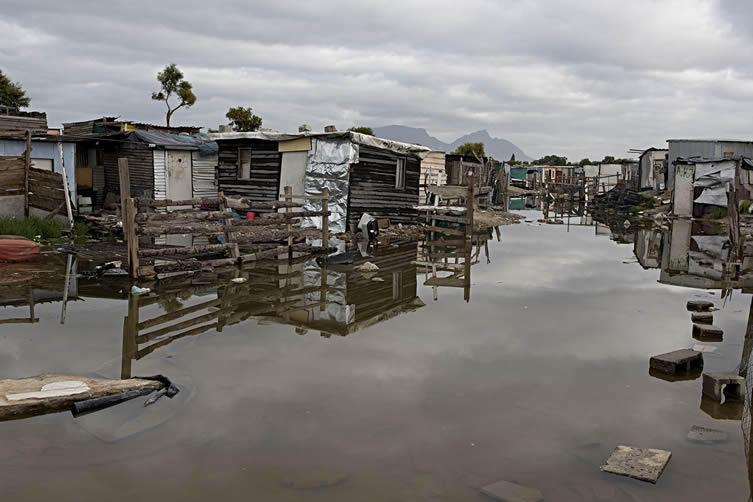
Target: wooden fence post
column 227, row 222
column 129, row 223
column 468, row 239
column 325, row 218
column 125, row 184
column 27, row 166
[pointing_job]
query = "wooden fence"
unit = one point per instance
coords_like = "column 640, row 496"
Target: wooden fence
column 12, row 175
column 46, row 190
column 240, row 240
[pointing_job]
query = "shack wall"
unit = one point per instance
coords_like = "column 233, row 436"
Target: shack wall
column 264, row 182
column 47, row 150
column 204, row 175
column 140, row 168
column 372, row 187
column 704, row 149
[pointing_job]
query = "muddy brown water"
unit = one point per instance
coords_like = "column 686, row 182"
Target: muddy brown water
column 534, row 381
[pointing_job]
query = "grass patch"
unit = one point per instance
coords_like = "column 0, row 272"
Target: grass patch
column 745, row 206
column 31, row 228
column 719, row 213
column 80, row 232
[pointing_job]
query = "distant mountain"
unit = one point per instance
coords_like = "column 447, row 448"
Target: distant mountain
column 499, row 148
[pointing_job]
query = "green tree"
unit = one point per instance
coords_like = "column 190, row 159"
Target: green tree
column 512, row 159
column 171, row 80
column 551, row 160
column 11, row 93
column 608, row 159
column 584, row 162
column 471, row 150
column 363, row 130
column 243, row 119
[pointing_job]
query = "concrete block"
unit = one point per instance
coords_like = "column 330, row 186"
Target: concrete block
column 684, row 360
column 702, row 317
column 700, row 305
column 511, row 492
column 717, row 385
column 708, row 332
column 644, row 464
column 704, row 348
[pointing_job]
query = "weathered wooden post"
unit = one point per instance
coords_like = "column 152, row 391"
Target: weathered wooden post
column 66, row 192
column 325, row 245
column 228, row 225
column 288, row 210
column 129, row 223
column 125, row 188
column 469, row 203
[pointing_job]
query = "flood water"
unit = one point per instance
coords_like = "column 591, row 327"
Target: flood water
column 386, row 394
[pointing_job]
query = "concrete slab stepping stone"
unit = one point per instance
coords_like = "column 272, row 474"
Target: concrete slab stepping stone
column 700, row 434
column 683, row 360
column 704, row 348
column 707, row 332
column 644, row 464
column 512, row 492
column 702, row 318
column 700, row 305
column 733, row 385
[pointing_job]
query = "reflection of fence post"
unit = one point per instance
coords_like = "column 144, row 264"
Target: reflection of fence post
column 228, row 224
column 469, row 203
column 325, row 245
column 130, row 324
column 288, row 210
column 129, row 228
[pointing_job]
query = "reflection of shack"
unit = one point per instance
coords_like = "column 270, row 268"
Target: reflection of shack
column 297, row 293
column 648, row 248
column 700, row 261
column 363, row 174
column 702, row 186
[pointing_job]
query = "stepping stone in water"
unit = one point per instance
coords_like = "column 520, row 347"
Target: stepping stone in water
column 702, row 318
column 704, row 348
column 708, row 333
column 700, row 434
column 733, row 384
column 644, row 464
column 700, row 305
column 678, row 361
column 511, row 492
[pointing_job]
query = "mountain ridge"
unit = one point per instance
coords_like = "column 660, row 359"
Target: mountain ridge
column 499, row 148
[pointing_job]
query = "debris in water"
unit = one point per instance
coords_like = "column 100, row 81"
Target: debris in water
column 704, row 435
column 644, row 464
column 239, row 280
column 338, row 259
column 512, row 492
column 377, row 279
column 679, row 360
column 367, row 267
column 135, row 290
column 700, row 305
column 732, row 383
column 704, row 348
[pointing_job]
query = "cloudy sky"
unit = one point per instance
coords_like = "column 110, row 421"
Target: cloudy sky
column 579, row 78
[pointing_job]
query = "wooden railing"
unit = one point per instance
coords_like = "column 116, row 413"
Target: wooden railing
column 272, row 233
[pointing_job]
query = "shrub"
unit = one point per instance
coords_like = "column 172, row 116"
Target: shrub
column 31, row 227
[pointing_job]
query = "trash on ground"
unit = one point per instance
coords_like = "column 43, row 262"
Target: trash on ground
column 512, row 492
column 367, row 267
column 700, row 434
column 684, row 360
column 644, row 464
column 337, row 259
column 135, row 290
column 718, row 385
column 700, row 305
column 239, row 280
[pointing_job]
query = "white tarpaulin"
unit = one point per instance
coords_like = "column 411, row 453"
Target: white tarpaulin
column 328, row 164
column 714, row 178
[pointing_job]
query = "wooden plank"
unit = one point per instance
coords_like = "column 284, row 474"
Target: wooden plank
column 448, row 231
column 184, row 229
column 447, row 282
column 443, row 243
column 172, row 316
column 192, row 250
column 129, row 216
column 441, row 217
column 125, row 185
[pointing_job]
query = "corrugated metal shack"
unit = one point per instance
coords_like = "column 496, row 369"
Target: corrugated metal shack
column 160, row 165
column 432, row 172
column 652, row 168
column 363, row 174
column 703, row 149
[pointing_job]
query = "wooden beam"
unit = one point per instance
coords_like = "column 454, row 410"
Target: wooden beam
column 27, row 167
column 448, row 231
column 65, row 186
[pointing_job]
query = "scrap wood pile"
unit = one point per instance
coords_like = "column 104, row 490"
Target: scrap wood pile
column 618, row 199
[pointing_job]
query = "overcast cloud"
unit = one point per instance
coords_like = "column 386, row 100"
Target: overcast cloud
column 579, row 78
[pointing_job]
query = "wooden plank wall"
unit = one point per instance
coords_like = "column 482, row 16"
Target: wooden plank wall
column 24, row 121
column 264, row 183
column 372, row 187
column 140, row 168
column 45, row 189
column 11, row 175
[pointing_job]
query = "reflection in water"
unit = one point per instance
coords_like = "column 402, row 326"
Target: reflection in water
column 334, row 300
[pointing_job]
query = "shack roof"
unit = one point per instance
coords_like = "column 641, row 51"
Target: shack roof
column 710, row 140
column 201, row 141
column 357, row 138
